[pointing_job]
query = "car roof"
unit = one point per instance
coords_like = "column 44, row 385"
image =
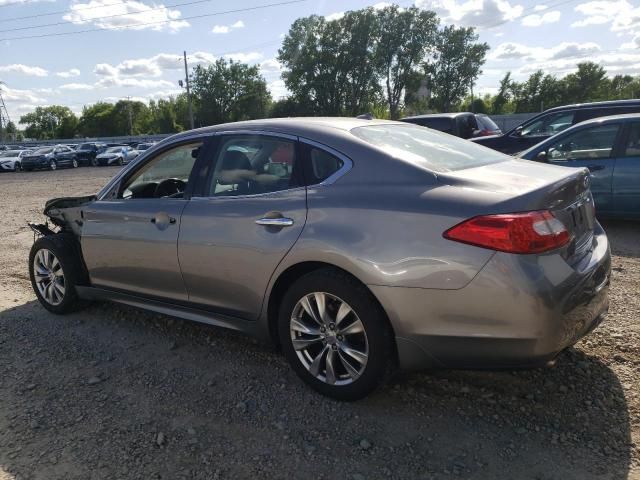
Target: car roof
column 438, row 115
column 609, row 103
column 299, row 126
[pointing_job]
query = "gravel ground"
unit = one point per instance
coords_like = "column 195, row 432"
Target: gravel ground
column 113, row 392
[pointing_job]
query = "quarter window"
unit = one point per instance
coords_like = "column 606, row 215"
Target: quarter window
column 166, row 175
column 254, row 164
column 320, row 164
column 588, row 143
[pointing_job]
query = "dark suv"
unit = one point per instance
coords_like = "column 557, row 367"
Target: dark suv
column 87, row 152
column 460, row 124
column 552, row 121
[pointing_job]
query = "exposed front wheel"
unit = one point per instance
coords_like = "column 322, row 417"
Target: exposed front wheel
column 74, row 163
column 53, row 165
column 55, row 269
column 335, row 335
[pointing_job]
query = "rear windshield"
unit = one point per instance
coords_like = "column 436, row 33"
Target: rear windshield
column 428, row 148
column 44, row 151
column 486, row 122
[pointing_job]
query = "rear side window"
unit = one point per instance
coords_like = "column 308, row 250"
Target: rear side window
column 426, row 148
column 486, row 123
column 632, row 147
column 548, row 125
column 437, row 123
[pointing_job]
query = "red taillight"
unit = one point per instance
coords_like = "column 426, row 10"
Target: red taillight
column 530, row 232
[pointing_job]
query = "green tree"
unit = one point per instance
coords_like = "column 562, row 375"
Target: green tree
column 455, row 66
column 589, row 83
column 164, row 115
column 502, row 98
column 405, row 38
column 55, row 121
column 229, row 91
column 96, row 120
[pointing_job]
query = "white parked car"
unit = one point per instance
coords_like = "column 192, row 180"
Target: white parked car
column 11, row 160
column 118, row 155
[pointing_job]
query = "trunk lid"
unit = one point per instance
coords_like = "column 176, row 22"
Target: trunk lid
column 523, row 185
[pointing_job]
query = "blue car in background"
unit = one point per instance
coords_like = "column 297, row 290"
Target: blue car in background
column 610, row 148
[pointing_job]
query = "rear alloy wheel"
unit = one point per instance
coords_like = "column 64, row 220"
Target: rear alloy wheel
column 55, row 268
column 53, row 165
column 120, row 161
column 335, row 335
column 95, row 162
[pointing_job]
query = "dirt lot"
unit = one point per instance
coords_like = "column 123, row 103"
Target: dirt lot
column 113, row 392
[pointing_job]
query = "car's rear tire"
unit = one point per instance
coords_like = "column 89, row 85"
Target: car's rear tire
column 53, row 165
column 345, row 352
column 95, row 162
column 17, row 167
column 120, row 162
column 74, row 163
column 55, row 269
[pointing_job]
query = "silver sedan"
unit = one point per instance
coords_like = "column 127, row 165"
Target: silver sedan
column 357, row 246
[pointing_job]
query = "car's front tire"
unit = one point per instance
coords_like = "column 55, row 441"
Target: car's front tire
column 55, row 269
column 95, row 162
column 335, row 335
column 74, row 163
column 53, row 165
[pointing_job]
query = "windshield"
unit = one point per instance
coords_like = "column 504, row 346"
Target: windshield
column 426, row 148
column 43, row 151
column 10, row 153
column 114, row 149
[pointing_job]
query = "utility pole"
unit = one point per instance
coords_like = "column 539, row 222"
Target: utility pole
column 130, row 116
column 186, row 75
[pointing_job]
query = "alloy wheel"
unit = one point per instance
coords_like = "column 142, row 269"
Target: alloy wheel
column 49, row 277
column 53, row 165
column 74, row 163
column 329, row 338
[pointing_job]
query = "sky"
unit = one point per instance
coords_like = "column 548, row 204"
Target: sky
column 133, row 48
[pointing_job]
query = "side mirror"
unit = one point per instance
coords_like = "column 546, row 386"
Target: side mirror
column 542, row 157
column 518, row 131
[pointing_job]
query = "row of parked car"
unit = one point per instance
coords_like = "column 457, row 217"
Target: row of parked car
column 604, row 137
column 15, row 158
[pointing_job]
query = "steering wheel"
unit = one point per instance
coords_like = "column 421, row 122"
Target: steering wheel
column 169, row 187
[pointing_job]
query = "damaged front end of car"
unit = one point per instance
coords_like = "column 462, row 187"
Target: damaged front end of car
column 65, row 214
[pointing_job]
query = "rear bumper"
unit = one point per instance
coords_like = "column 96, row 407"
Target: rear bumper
column 519, row 311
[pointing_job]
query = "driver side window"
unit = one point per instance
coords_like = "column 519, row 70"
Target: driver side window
column 548, row 125
column 165, row 176
column 588, row 143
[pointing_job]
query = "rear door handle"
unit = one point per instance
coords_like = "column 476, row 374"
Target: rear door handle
column 275, row 222
column 593, row 168
column 163, row 218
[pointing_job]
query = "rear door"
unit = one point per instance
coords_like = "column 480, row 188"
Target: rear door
column 593, row 147
column 130, row 237
column 626, row 176
column 249, row 213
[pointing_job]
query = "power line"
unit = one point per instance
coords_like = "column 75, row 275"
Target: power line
column 164, row 7
column 15, row 3
column 193, row 17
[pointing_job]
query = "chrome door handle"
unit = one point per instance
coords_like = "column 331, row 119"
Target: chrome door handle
column 275, row 222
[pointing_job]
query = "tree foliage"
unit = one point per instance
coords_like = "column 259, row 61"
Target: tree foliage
column 229, row 91
column 54, row 121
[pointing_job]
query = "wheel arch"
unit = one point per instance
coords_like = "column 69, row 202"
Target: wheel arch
column 290, row 275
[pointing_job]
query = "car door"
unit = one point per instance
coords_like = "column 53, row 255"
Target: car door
column 130, row 237
column 62, row 156
column 249, row 214
column 593, row 147
column 626, row 176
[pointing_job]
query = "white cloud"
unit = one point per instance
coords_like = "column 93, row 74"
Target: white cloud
column 536, row 20
column 21, row 96
column 130, row 14
column 473, row 13
column 616, row 63
column 152, row 66
column 539, row 8
column 110, row 82
column 620, row 14
column 77, row 86
column 74, row 72
column 512, row 50
column 278, row 89
column 270, row 66
column 334, row 16
column 244, row 57
column 227, row 28
column 24, row 70
column 633, row 44
column 375, row 6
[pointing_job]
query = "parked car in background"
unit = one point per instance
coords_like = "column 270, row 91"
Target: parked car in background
column 553, row 121
column 118, row 155
column 460, row 124
column 610, row 148
column 356, row 245
column 50, row 158
column 145, row 146
column 86, row 152
column 10, row 160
